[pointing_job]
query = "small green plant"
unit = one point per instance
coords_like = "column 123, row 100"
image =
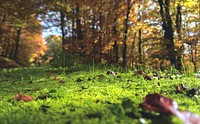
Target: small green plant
column 87, row 95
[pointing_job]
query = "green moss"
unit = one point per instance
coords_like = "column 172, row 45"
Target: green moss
column 92, row 100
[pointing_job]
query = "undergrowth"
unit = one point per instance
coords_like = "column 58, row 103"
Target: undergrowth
column 87, row 96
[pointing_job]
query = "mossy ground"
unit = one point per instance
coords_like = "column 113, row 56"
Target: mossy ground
column 87, row 97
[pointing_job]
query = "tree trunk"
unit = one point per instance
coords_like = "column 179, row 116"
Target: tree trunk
column 2, row 22
column 140, row 47
column 93, row 24
column 132, row 50
column 178, row 28
column 194, row 55
column 115, row 46
column 62, row 26
column 168, row 34
column 100, row 37
column 73, row 26
column 178, row 21
column 114, row 28
column 78, row 24
column 1, row 32
column 17, row 43
column 124, row 48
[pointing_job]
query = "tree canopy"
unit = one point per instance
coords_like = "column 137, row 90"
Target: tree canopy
column 134, row 33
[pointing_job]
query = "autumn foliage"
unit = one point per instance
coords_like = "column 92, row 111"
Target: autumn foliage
column 140, row 33
column 20, row 31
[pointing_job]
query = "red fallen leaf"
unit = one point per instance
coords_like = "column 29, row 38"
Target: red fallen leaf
column 23, row 97
column 158, row 103
column 164, row 105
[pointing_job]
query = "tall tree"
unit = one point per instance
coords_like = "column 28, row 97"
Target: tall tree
column 140, row 34
column 62, row 25
column 114, row 28
column 128, row 4
column 178, row 28
column 168, row 32
column 78, row 23
column 17, row 43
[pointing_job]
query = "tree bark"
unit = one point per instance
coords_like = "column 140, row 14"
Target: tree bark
column 62, row 25
column 100, row 37
column 132, row 50
column 115, row 46
column 78, row 24
column 17, row 44
column 140, row 46
column 2, row 22
column 168, row 34
column 194, row 54
column 178, row 28
column 1, row 32
column 124, row 47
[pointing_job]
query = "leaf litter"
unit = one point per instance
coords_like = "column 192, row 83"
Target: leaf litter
column 163, row 105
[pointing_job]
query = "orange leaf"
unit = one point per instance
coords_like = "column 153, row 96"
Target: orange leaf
column 23, row 97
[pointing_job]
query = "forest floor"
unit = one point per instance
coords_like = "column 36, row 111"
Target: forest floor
column 75, row 96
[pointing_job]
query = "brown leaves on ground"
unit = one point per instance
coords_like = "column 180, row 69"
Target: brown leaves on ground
column 181, row 88
column 143, row 74
column 158, row 103
column 22, row 97
column 59, row 80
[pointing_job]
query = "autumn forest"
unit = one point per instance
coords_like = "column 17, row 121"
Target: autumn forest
column 130, row 33
column 99, row 61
